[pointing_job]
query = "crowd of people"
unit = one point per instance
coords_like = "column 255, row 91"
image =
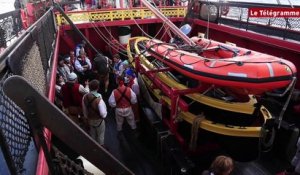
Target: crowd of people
column 79, row 81
column 78, row 86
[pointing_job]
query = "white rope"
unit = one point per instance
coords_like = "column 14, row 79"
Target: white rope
column 110, row 33
column 108, row 41
column 145, row 32
column 164, row 23
column 207, row 27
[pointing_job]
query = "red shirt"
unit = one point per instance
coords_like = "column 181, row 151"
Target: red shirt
column 71, row 95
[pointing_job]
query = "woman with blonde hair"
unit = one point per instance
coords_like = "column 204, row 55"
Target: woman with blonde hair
column 222, row 165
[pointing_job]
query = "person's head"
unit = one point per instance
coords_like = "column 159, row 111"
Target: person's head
column 222, row 165
column 61, row 61
column 129, row 73
column 83, row 42
column 101, row 65
column 59, row 79
column 72, row 77
column 116, row 58
column 94, row 85
column 72, row 54
column 67, row 60
column 125, row 64
column 120, row 80
column 82, row 53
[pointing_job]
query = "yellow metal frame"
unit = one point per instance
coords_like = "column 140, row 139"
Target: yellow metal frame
column 208, row 125
column 116, row 14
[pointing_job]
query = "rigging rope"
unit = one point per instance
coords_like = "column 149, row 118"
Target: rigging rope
column 108, row 41
column 194, row 131
column 158, row 30
column 207, row 27
column 112, row 45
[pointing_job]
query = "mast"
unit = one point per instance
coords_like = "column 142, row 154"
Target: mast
column 172, row 26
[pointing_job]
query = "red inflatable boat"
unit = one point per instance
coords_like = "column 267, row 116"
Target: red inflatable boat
column 224, row 65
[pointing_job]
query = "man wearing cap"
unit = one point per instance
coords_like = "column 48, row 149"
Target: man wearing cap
column 68, row 64
column 72, row 93
column 133, row 84
column 70, row 61
column 132, row 81
column 122, row 98
column 94, row 110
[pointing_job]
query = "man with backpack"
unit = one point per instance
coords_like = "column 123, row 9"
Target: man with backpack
column 94, row 111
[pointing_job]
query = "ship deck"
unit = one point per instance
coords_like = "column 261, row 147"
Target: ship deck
column 139, row 155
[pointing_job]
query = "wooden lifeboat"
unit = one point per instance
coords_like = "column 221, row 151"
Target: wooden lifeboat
column 247, row 71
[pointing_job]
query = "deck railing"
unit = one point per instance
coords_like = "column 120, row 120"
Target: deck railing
column 118, row 14
column 236, row 15
column 10, row 27
column 28, row 56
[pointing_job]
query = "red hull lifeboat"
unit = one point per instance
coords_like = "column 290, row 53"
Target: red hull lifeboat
column 224, row 65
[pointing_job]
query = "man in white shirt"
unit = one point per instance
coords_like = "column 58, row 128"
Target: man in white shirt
column 122, row 99
column 72, row 93
column 83, row 67
column 79, row 47
column 94, row 110
column 133, row 84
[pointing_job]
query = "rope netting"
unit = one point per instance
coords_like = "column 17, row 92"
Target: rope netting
column 15, row 133
column 10, row 26
column 67, row 166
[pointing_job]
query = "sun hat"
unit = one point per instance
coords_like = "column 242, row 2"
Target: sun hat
column 67, row 59
column 72, row 77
